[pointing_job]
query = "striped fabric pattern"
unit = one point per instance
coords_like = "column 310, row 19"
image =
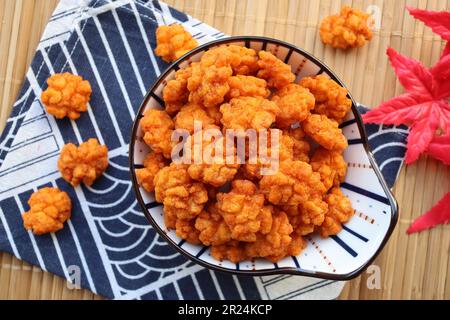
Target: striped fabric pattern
column 108, row 239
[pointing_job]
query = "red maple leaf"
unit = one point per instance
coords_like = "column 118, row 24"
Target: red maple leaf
column 439, row 214
column 424, row 107
column 438, row 21
column 439, row 147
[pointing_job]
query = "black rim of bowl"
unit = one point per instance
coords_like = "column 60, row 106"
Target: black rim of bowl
column 286, row 270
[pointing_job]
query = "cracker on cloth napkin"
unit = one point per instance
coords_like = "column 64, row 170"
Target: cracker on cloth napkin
column 108, row 241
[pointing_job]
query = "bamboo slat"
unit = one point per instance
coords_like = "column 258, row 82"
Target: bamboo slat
column 412, row 267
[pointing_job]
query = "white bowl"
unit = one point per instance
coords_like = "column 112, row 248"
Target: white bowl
column 339, row 257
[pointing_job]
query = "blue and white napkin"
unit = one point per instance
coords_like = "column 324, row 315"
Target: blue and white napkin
column 108, row 242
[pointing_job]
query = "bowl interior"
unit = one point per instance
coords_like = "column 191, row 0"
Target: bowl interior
column 339, row 257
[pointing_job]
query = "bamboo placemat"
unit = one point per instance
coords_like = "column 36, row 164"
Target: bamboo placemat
column 412, row 267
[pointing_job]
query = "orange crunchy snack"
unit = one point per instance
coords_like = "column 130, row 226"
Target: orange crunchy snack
column 176, row 93
column 312, row 213
column 67, row 95
column 168, row 178
column 84, row 163
column 49, row 209
column 277, row 243
column 331, row 98
column 247, row 86
column 307, row 216
column 214, row 113
column 301, row 147
column 277, row 73
column 182, row 197
column 189, row 114
column 348, row 29
column 209, row 85
column 300, row 228
column 158, row 127
column 214, row 171
column 293, row 184
column 285, row 147
column 243, row 61
column 232, row 250
column 247, row 60
column 339, row 211
column 261, row 204
column 295, row 103
column 331, row 166
column 173, row 41
column 249, row 112
column 213, row 229
column 325, row 132
column 186, row 229
column 209, row 82
column 152, row 164
column 244, row 211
